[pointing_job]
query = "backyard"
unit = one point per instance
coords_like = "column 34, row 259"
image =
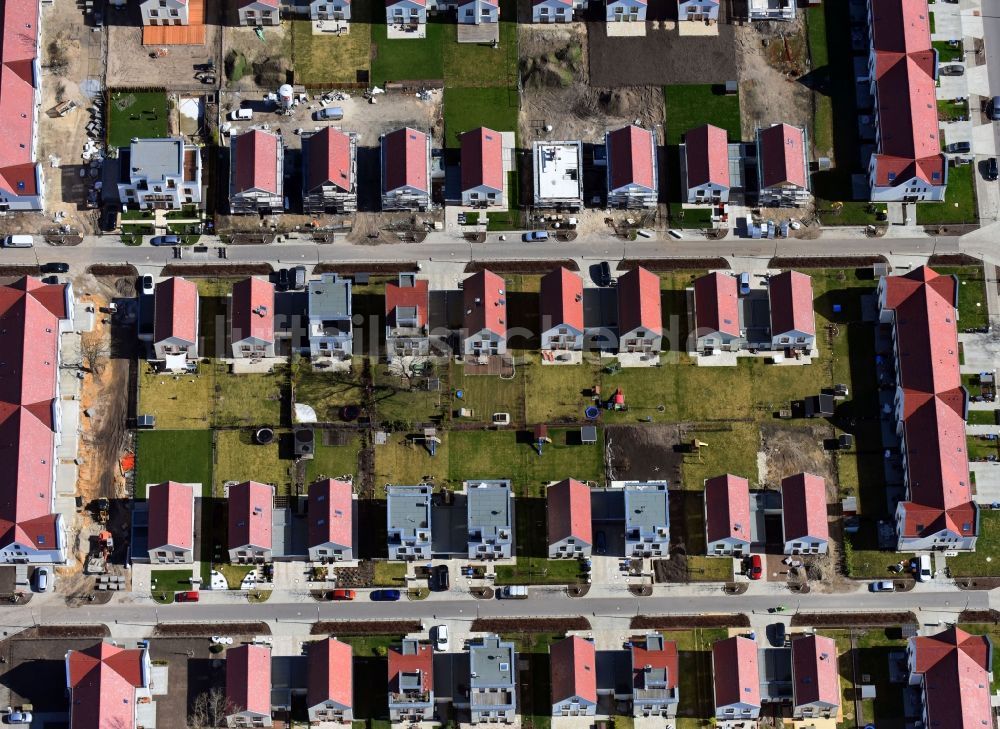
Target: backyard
column 172, row 455
column 408, row 58
column 689, row 106
column 131, row 114
column 470, row 108
column 959, row 205
column 326, row 60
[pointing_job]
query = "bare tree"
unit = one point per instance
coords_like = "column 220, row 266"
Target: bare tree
column 95, row 352
column 210, row 709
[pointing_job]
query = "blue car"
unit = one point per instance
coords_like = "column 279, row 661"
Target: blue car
column 165, row 240
column 535, row 235
column 385, row 595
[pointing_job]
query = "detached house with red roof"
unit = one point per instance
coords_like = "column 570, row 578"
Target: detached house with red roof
column 330, row 172
column 109, row 688
column 573, row 668
column 248, row 686
column 22, row 186
column 815, row 679
column 175, row 323
column 625, row 11
column 405, row 13
column 160, row 174
column 793, row 320
column 908, row 164
column 631, row 150
column 555, row 11
column 931, row 407
column 165, row 12
column 482, row 168
column 803, row 514
column 257, row 173
column 250, row 522
column 953, row 671
column 570, row 532
column 783, row 166
column 477, row 12
column 252, row 319
column 698, row 10
column 330, row 10
column 705, row 164
column 171, row 523
column 640, row 323
column 561, row 308
column 632, row 169
column 655, row 677
column 407, row 333
column 411, row 682
column 330, row 695
column 717, row 314
column 331, row 521
column 406, row 169
column 485, row 304
column 727, row 516
column 33, row 315
column 736, row 679
column 258, row 12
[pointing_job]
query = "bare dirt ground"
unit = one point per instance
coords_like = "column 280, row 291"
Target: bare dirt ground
column 267, row 59
column 130, row 64
column 793, row 449
column 769, row 89
column 643, row 453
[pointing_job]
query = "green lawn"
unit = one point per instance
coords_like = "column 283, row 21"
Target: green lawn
column 390, row 574
column 959, row 205
column 234, row 573
column 471, row 108
column 141, row 114
column 249, row 400
column 164, row 583
column 558, row 392
column 475, row 64
column 947, row 53
column 985, row 561
column 408, row 401
column 328, row 59
column 239, row 458
column 406, row 461
column 691, row 105
column 979, row 448
column 509, row 219
column 331, row 461
column 849, row 212
column 179, row 402
column 327, row 392
column 172, row 455
column 531, row 547
column 972, row 308
column 822, row 133
column 408, row 59
column 690, row 218
column 982, row 417
column 952, row 110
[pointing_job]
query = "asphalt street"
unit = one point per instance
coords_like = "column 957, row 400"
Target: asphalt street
column 991, row 38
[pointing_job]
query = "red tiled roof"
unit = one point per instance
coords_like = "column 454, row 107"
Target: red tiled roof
column 814, row 670
column 390, row 3
column 803, row 507
column 630, row 157
column 176, row 310
column 29, row 338
column 256, row 162
column 102, row 682
column 639, row 301
column 404, row 154
column 422, row 660
column 910, row 144
column 331, row 513
column 707, row 156
column 482, row 159
column 666, row 659
column 926, row 334
column 783, row 156
column 561, row 299
column 727, row 505
column 250, row 506
column 490, row 311
column 415, row 296
column 248, row 679
column 269, row 3
column 573, row 664
column 329, row 159
column 567, row 3
column 17, row 95
column 716, row 305
column 253, row 310
column 171, row 510
column 791, row 298
column 331, row 674
column 568, row 511
column 734, row 663
column 956, row 667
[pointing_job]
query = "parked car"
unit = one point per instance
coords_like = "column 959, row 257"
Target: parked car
column 959, row 147
column 601, row 542
column 18, row 241
column 440, row 634
column 146, row 285
column 385, row 595
column 331, row 113
column 55, row 268
column 165, row 240
column 953, row 69
column 241, row 114
column 535, row 235
column 342, row 594
column 43, row 579
column 512, row 592
column 990, row 170
column 604, row 274
column 18, row 717
column 882, row 586
column 440, row 578
column 297, row 277
column 755, row 567
column 744, row 282
column 922, row 568
column 282, row 279
column 994, row 109
column 189, row 596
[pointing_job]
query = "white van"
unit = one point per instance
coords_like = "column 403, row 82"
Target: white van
column 924, row 571
column 241, row 115
column 513, row 592
column 18, row 241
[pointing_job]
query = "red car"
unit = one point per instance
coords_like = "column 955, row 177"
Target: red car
column 756, row 569
column 342, row 594
column 191, row 596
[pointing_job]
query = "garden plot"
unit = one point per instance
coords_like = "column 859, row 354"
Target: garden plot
column 791, row 449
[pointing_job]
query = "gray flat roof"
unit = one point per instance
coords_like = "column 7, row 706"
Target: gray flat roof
column 409, row 507
column 330, row 297
column 646, row 504
column 156, row 158
column 491, row 663
column 489, row 505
